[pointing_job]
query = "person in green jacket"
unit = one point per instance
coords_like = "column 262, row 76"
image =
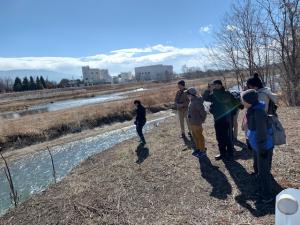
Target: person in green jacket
column 223, row 105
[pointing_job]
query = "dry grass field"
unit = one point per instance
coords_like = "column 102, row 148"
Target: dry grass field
column 162, row 183
column 30, row 129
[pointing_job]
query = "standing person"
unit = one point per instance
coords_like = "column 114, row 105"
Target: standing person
column 196, row 116
column 223, row 104
column 259, row 134
column 140, row 120
column 264, row 94
column 237, row 96
column 182, row 102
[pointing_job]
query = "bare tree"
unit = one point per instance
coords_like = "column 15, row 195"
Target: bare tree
column 263, row 36
column 2, row 86
column 6, row 84
column 284, row 16
column 242, row 43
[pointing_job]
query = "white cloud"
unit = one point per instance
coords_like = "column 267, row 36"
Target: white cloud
column 205, row 29
column 116, row 61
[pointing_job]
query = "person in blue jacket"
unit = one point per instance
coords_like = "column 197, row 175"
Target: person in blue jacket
column 140, row 119
column 259, row 134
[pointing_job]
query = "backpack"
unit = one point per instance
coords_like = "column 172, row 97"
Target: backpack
column 272, row 109
column 279, row 137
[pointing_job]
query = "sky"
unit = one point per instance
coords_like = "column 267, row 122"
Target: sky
column 63, row 35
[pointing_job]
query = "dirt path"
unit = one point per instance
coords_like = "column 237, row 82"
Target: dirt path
column 167, row 186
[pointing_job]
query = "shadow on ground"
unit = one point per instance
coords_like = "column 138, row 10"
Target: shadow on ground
column 247, row 186
column 243, row 154
column 217, row 179
column 142, row 153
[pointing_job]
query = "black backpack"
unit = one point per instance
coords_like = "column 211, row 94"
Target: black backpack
column 272, row 109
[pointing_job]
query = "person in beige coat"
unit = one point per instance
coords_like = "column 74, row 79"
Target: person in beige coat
column 182, row 102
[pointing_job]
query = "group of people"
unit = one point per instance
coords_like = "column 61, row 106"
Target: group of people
column 258, row 101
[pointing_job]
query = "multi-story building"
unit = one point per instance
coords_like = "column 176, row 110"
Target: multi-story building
column 93, row 76
column 154, row 72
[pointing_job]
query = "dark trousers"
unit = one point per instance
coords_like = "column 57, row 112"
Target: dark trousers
column 248, row 145
column 224, row 135
column 262, row 164
column 139, row 130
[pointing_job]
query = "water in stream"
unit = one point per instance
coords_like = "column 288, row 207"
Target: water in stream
column 71, row 103
column 34, row 173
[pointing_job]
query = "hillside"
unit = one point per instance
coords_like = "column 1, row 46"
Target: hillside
column 166, row 186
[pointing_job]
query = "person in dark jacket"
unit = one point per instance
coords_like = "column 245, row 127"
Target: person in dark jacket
column 223, row 106
column 259, row 134
column 140, row 119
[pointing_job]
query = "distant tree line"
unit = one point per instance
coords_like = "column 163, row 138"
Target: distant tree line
column 37, row 83
column 196, row 72
column 30, row 84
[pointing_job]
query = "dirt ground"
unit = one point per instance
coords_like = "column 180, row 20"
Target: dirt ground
column 162, row 183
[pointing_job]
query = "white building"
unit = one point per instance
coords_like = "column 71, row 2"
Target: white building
column 155, row 72
column 93, row 76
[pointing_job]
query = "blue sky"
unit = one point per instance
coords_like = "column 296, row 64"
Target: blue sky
column 106, row 33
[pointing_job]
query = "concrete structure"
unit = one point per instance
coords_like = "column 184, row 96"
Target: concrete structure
column 93, row 76
column 155, row 72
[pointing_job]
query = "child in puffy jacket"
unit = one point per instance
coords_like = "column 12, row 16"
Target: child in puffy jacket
column 259, row 134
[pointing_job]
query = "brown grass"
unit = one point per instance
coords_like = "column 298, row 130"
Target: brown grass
column 24, row 131
column 169, row 187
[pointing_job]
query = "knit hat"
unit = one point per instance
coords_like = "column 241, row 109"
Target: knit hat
column 250, row 96
column 255, row 81
column 217, row 82
column 191, row 91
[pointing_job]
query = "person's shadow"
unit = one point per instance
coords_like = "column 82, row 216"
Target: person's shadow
column 248, row 186
column 243, row 154
column 221, row 188
column 142, row 153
